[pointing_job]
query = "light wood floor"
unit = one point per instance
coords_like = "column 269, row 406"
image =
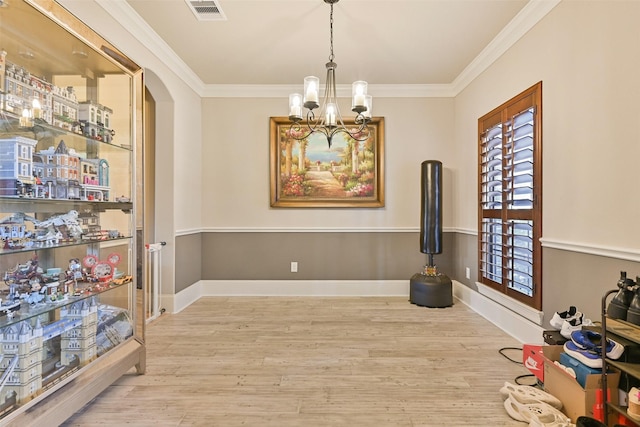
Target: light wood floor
column 314, row 362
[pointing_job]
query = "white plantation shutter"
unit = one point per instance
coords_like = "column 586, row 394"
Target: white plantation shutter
column 510, row 190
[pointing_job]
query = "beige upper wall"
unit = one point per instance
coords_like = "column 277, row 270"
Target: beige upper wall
column 585, row 52
column 235, row 152
column 178, row 181
column 178, row 134
column 587, row 55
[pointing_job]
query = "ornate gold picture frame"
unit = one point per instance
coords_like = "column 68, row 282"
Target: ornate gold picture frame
column 308, row 174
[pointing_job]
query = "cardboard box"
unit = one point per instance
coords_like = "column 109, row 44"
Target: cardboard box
column 532, row 360
column 582, row 371
column 576, row 400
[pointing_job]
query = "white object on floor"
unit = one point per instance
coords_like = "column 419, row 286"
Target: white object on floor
column 536, row 414
column 529, row 394
column 550, row 421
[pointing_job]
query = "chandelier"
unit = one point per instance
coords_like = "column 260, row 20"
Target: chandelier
column 329, row 120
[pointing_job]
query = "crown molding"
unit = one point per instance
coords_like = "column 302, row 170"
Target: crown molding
column 528, row 17
column 132, row 22
column 342, row 91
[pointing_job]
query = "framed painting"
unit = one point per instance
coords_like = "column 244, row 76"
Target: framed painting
column 308, row 174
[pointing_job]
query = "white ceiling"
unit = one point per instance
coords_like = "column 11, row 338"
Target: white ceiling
column 385, row 42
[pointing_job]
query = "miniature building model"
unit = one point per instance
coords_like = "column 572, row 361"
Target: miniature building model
column 16, row 165
column 96, row 121
column 21, row 362
column 24, row 91
column 95, row 179
column 79, row 341
column 22, row 346
column 59, row 171
column 65, row 108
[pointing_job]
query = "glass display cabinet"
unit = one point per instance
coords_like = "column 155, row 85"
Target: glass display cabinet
column 70, row 120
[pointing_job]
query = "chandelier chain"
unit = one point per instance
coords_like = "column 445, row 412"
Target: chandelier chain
column 331, row 57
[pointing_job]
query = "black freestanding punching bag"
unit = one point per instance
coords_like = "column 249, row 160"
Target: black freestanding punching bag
column 431, row 208
column 430, row 288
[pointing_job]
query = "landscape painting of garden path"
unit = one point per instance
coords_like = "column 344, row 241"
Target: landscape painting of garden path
column 309, row 169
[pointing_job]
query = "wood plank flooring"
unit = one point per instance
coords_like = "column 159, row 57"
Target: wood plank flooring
column 266, row 361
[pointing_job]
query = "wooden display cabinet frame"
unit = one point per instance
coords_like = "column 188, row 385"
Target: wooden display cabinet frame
column 60, row 401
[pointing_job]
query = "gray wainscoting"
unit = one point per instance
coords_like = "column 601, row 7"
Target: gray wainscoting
column 320, row 256
column 580, row 279
column 569, row 278
column 189, row 260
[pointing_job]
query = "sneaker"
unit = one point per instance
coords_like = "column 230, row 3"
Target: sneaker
column 574, row 324
column 530, row 394
column 534, row 413
column 589, row 357
column 570, row 325
column 568, row 369
column 559, row 317
column 549, row 420
column 590, row 340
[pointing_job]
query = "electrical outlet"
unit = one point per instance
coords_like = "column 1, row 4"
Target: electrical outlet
column 467, row 273
column 294, row 266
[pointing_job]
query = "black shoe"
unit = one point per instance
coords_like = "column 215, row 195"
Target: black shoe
column 588, row 422
column 618, row 308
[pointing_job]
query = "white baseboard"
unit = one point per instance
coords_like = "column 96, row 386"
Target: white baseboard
column 507, row 320
column 183, row 299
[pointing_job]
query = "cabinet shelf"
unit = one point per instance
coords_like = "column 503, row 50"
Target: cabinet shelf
column 632, row 369
column 63, row 245
column 28, row 311
column 30, row 204
column 622, row 410
column 625, row 333
column 41, row 130
column 624, row 329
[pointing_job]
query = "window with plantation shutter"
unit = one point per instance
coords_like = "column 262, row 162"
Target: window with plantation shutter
column 510, row 197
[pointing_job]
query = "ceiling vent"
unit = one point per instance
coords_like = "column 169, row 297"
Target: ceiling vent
column 206, row 10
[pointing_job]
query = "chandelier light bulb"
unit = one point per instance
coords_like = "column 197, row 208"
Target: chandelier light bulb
column 330, row 118
column 358, row 92
column 295, row 107
column 311, row 86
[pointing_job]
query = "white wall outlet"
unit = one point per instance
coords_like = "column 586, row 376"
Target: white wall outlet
column 467, row 273
column 294, row 266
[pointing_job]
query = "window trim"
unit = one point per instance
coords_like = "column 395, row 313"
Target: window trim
column 531, row 97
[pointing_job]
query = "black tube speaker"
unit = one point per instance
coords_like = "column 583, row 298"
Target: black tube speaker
column 431, row 208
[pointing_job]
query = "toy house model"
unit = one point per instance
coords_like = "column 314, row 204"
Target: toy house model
column 16, row 165
column 17, row 89
column 25, row 91
column 95, row 179
column 58, row 170
column 65, row 108
column 96, row 121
